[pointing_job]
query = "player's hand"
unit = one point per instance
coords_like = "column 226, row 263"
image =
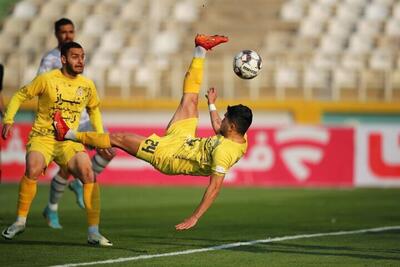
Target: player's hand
column 211, row 95
column 186, row 224
column 106, row 153
column 6, row 130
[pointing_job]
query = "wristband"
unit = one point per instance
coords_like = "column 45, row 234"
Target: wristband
column 212, row 107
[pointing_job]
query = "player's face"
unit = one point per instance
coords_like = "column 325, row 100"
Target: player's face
column 224, row 126
column 65, row 34
column 75, row 61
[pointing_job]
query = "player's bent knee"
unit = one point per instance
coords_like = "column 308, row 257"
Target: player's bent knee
column 87, row 175
column 33, row 172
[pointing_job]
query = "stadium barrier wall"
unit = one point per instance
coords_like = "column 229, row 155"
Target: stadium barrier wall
column 279, row 155
column 303, row 112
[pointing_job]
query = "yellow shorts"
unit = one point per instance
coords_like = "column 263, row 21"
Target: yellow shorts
column 155, row 148
column 60, row 152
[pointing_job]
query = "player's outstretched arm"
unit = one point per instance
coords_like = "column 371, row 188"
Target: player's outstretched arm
column 209, row 196
column 214, row 116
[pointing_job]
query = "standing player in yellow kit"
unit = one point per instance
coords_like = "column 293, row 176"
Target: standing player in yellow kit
column 60, row 89
column 180, row 151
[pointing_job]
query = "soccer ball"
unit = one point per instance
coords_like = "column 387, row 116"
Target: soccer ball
column 247, row 64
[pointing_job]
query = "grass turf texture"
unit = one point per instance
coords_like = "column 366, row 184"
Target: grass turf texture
column 140, row 221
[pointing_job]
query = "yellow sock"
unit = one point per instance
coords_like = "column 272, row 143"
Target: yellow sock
column 91, row 197
column 99, row 140
column 27, row 192
column 194, row 76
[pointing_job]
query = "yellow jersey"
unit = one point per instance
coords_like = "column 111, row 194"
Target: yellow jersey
column 180, row 152
column 56, row 91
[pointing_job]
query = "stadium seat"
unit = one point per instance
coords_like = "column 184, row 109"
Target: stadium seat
column 381, row 59
column 88, row 42
column 392, row 27
column 331, row 44
column 52, row 10
column 25, row 10
column 292, row 11
column 285, row 78
column 95, row 25
column 325, row 61
column 166, row 42
column 112, row 41
column 372, row 85
column 303, row 45
column 328, row 3
column 353, row 61
column 345, row 83
column 360, row 44
column 320, row 13
column 376, row 12
column 7, row 43
column 185, row 11
column 105, row 9
column 42, row 26
column 78, row 10
column 32, row 43
column 349, row 14
column 15, row 26
column 311, row 28
column 315, row 78
column 277, row 42
column 396, row 11
column 339, row 28
column 368, row 28
column 102, row 59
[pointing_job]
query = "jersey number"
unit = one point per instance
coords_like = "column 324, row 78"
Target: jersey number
column 151, row 146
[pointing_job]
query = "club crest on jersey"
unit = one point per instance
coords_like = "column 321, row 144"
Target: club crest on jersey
column 79, row 91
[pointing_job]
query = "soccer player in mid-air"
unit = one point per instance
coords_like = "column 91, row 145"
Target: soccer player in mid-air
column 180, row 151
column 67, row 90
column 64, row 30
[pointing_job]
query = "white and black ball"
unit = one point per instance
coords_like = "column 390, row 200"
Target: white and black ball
column 247, row 64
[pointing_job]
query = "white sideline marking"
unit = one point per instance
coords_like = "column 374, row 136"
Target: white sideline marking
column 232, row 245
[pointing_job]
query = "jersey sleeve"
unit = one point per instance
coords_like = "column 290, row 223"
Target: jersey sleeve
column 94, row 110
column 93, row 101
column 34, row 88
column 222, row 161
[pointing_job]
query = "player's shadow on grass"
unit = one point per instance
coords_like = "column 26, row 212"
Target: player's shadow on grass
column 342, row 251
column 62, row 244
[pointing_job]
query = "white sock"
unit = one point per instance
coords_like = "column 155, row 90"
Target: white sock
column 70, row 135
column 93, row 229
column 200, row 52
column 99, row 163
column 21, row 220
column 57, row 187
column 53, row 207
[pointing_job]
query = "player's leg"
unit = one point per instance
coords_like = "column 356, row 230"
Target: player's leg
column 103, row 156
column 101, row 159
column 128, row 142
column 80, row 166
column 57, row 187
column 35, row 166
column 194, row 76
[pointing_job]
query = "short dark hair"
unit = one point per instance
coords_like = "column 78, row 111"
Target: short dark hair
column 67, row 46
column 62, row 22
column 241, row 116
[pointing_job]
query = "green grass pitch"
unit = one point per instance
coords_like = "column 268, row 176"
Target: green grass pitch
column 140, row 221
